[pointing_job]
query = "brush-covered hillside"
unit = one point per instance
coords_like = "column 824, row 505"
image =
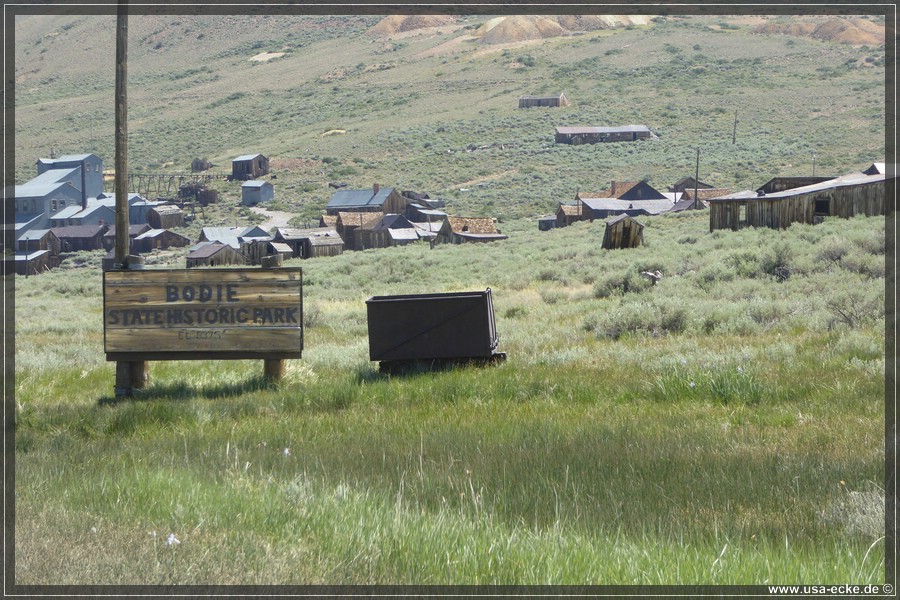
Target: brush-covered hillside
column 430, row 103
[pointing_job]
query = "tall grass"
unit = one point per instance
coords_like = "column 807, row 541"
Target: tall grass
column 722, row 426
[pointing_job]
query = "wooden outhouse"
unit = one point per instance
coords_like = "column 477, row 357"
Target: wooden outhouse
column 256, row 191
column 623, row 231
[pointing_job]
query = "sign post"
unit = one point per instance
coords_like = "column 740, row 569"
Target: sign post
column 212, row 314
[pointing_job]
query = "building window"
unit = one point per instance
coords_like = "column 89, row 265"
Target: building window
column 53, row 205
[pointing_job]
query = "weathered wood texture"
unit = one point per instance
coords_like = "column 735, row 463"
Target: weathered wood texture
column 623, row 232
column 220, row 313
column 780, row 212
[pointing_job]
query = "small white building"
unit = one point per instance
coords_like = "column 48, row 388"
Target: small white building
column 255, row 191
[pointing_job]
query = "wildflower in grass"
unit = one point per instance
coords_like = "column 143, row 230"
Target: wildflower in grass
column 287, row 452
column 740, row 369
column 693, row 385
column 172, row 540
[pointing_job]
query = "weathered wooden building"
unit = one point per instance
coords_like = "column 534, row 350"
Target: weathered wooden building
column 351, row 225
column 594, row 135
column 623, row 231
column 846, row 196
column 159, row 239
column 200, row 164
column 551, row 101
column 378, row 199
column 703, row 197
column 214, row 254
column 75, row 238
column 457, row 230
column 109, row 238
column 688, row 183
column 255, row 191
column 33, row 262
column 567, row 214
column 259, row 249
column 780, row 184
column 165, row 216
column 546, row 223
column 39, row 239
column 249, row 166
column 632, row 198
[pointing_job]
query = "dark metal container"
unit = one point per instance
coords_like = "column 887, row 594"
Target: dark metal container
column 455, row 326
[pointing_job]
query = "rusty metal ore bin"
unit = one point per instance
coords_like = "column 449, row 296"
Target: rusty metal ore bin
column 432, row 328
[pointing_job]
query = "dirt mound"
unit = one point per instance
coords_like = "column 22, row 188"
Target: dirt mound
column 521, row 28
column 403, row 23
column 857, row 32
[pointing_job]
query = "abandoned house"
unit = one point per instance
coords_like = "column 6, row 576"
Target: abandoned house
column 249, row 166
column 165, row 216
column 311, row 243
column 213, row 254
column 75, row 238
column 351, row 225
column 256, row 191
column 456, row 230
column 846, row 196
column 109, row 238
column 159, row 239
column 688, row 183
column 687, row 200
column 623, row 197
column 567, row 214
column 781, row 184
column 551, row 101
column 258, row 249
column 33, row 262
column 593, row 135
column 622, row 231
column 378, row 199
column 232, row 236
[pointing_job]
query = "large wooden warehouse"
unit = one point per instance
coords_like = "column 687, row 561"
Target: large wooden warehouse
column 846, row 196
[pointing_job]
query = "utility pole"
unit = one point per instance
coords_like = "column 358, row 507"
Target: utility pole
column 130, row 375
column 814, row 164
column 121, row 187
column 696, row 177
column 734, row 130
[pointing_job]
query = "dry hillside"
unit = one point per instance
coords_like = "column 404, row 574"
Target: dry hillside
column 855, row 31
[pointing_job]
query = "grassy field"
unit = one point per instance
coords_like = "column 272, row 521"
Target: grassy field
column 719, row 427
column 724, row 426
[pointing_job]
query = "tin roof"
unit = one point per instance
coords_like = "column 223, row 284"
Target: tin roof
column 78, row 231
column 166, row 209
column 849, row 180
column 570, row 210
column 33, row 234
column 392, row 221
column 652, row 207
column 408, row 233
column 359, row 198
column 620, row 129
column 255, row 183
column 288, row 234
column 27, row 256
column 244, row 157
column 206, row 249
column 39, row 190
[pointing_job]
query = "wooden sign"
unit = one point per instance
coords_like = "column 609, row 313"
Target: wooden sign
column 190, row 314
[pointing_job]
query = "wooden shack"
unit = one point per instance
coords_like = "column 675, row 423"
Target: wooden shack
column 350, row 226
column 38, row 239
column 846, row 196
column 109, row 238
column 75, row 238
column 214, row 254
column 249, row 166
column 457, row 230
column 159, row 239
column 200, row 164
column 550, row 101
column 688, row 183
column 165, row 216
column 623, row 231
column 32, row 263
column 567, row 214
column 594, row 135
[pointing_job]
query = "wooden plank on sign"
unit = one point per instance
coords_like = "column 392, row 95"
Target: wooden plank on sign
column 185, row 313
